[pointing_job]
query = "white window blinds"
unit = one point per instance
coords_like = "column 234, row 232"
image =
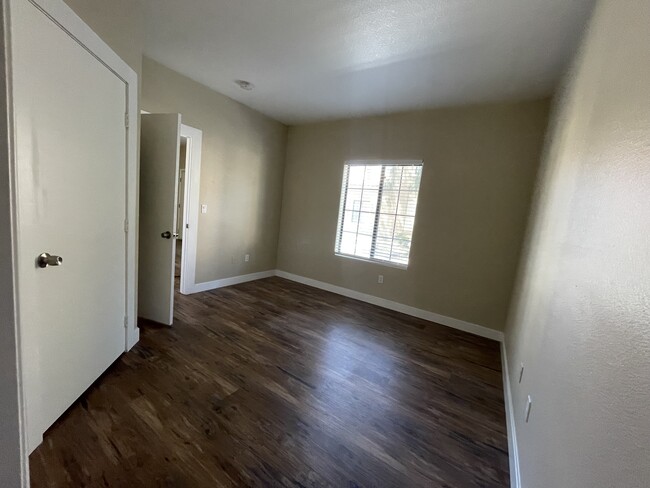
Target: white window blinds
column 377, row 210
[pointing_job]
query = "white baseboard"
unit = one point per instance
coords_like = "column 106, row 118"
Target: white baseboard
column 469, row 327
column 513, row 452
column 235, row 280
column 478, row 330
column 475, row 329
column 132, row 337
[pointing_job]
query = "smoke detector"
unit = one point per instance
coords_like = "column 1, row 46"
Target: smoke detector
column 245, row 85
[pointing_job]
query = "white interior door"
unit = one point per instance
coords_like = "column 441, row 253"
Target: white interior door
column 159, row 153
column 71, row 193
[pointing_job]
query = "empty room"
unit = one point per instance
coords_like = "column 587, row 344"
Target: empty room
column 334, row 243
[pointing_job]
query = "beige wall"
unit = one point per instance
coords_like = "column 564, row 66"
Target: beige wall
column 118, row 23
column 243, row 150
column 479, row 169
column 241, row 173
column 581, row 316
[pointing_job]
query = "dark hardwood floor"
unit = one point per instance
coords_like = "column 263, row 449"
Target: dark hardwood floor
column 273, row 383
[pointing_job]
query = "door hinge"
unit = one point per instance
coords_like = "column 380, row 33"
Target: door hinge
column 126, row 322
column 126, row 120
column 126, row 226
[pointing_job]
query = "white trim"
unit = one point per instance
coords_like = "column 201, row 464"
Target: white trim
column 478, row 330
column 513, row 451
column 345, row 188
column 458, row 324
column 380, row 262
column 395, row 162
column 191, row 207
column 12, row 403
column 235, row 280
column 68, row 21
column 133, row 184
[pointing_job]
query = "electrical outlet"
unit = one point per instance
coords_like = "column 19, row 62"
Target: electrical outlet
column 247, row 258
column 380, row 279
column 521, row 372
column 529, row 406
column 204, row 209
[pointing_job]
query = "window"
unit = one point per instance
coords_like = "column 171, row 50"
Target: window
column 377, row 211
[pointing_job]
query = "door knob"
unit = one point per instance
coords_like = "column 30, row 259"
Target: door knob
column 166, row 235
column 44, row 260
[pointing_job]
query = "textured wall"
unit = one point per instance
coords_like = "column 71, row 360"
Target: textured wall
column 479, row 169
column 118, row 23
column 581, row 316
column 243, row 150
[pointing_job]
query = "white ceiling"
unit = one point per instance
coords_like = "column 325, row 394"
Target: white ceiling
column 313, row 60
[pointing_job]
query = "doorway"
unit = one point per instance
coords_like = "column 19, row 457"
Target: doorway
column 180, row 213
column 170, row 162
column 188, row 208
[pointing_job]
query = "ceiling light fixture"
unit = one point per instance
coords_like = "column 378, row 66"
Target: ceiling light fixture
column 245, row 85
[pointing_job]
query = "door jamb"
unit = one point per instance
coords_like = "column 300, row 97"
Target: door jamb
column 194, row 138
column 14, row 469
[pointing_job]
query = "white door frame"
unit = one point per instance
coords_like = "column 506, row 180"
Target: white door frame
column 14, row 467
column 191, row 207
column 180, row 208
column 59, row 13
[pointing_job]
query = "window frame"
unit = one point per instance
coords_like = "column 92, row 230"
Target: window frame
column 343, row 200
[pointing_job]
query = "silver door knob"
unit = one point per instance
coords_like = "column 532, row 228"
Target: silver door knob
column 166, row 235
column 44, row 260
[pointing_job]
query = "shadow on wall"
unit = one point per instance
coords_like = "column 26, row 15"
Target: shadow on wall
column 580, row 312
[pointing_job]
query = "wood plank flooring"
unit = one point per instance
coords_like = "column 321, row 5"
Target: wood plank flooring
column 273, row 383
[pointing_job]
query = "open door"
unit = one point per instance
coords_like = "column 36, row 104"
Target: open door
column 159, row 152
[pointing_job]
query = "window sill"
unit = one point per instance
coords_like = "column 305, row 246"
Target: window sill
column 373, row 261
